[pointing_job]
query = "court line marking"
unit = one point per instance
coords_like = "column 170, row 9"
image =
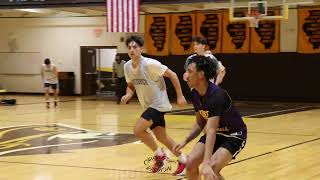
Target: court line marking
column 174, row 112
column 252, row 115
column 146, row 172
column 12, row 126
column 275, row 133
column 68, row 109
column 191, row 109
column 114, row 169
column 185, row 128
column 82, row 167
column 277, row 150
column 42, row 102
column 280, row 111
column 130, row 126
column 46, row 146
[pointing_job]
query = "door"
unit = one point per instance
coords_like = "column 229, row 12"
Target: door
column 88, row 71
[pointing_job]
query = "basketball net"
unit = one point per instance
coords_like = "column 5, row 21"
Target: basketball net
column 255, row 21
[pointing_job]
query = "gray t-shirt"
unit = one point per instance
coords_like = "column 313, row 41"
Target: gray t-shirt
column 149, row 83
column 118, row 68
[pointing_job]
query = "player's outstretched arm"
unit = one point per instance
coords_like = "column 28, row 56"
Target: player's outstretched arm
column 220, row 74
column 195, row 131
column 206, row 169
column 211, row 130
column 129, row 93
column 176, row 84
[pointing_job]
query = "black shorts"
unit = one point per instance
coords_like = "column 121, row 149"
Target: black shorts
column 53, row 86
column 156, row 116
column 233, row 144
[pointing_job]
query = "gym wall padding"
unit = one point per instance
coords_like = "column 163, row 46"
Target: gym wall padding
column 269, row 76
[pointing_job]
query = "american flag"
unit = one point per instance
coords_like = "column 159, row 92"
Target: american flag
column 123, row 15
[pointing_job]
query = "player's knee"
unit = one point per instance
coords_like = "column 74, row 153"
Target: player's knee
column 191, row 164
column 160, row 137
column 137, row 132
column 215, row 168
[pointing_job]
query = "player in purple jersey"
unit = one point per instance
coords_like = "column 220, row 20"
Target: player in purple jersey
column 225, row 132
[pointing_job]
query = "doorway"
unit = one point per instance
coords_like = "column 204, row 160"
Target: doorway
column 89, row 58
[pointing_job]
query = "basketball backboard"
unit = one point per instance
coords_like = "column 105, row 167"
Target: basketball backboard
column 256, row 10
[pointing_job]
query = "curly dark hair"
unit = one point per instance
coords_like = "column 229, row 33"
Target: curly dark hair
column 139, row 40
column 205, row 64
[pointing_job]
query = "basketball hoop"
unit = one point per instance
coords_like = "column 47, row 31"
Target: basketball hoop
column 254, row 20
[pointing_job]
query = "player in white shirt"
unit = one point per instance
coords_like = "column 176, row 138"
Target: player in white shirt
column 199, row 46
column 49, row 74
column 145, row 76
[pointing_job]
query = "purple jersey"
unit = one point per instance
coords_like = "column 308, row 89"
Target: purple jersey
column 217, row 102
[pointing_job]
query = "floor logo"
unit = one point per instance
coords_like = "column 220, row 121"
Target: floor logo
column 55, row 138
column 166, row 168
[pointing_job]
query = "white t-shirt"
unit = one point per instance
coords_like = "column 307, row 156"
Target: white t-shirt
column 48, row 74
column 149, row 83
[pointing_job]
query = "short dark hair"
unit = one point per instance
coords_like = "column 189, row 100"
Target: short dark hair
column 206, row 65
column 200, row 40
column 139, row 40
column 47, row 61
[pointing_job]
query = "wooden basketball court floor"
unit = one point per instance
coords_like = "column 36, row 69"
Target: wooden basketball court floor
column 86, row 139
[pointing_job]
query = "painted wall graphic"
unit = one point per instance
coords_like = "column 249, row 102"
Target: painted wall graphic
column 266, row 38
column 209, row 25
column 157, row 34
column 235, row 34
column 182, row 29
column 309, row 30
